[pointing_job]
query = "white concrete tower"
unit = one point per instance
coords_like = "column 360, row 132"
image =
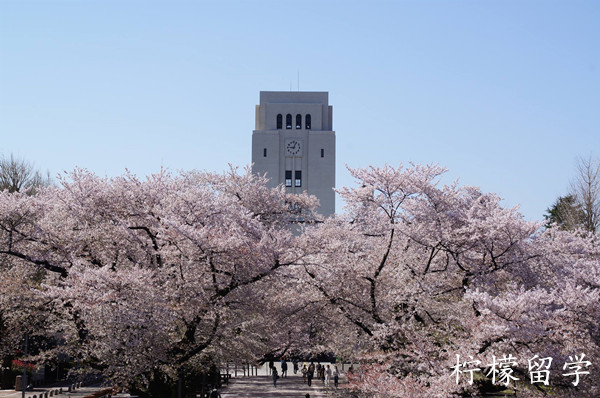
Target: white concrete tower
column 294, row 143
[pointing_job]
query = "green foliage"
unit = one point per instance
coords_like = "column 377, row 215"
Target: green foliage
column 566, row 213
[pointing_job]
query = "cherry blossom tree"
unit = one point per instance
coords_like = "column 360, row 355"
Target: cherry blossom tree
column 421, row 272
column 426, row 284
column 153, row 278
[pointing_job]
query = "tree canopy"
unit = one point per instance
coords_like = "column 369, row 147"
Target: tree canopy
column 142, row 279
column 17, row 175
column 580, row 208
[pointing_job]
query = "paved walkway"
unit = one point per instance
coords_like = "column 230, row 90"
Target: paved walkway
column 241, row 386
column 262, row 386
column 255, row 386
column 80, row 392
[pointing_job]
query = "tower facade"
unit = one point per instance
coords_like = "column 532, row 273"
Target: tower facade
column 294, row 143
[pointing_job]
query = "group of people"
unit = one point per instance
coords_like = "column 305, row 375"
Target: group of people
column 323, row 372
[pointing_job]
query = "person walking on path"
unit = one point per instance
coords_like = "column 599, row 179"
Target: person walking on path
column 311, row 373
column 336, row 376
column 283, row 368
column 318, row 370
column 322, row 374
column 304, row 372
column 271, row 366
column 275, row 377
column 327, row 375
column 295, row 364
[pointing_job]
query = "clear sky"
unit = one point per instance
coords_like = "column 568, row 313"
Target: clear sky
column 506, row 94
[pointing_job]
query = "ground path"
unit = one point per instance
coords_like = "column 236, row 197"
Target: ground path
column 255, row 386
column 262, row 386
column 39, row 392
column 258, row 386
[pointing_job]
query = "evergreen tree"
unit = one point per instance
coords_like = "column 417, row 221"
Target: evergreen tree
column 566, row 213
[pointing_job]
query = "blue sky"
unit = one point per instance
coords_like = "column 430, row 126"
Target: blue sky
column 506, row 94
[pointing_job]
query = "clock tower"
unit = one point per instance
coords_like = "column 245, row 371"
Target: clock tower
column 294, row 144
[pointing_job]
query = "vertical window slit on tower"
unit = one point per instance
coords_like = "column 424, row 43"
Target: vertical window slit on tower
column 279, row 122
column 288, row 121
column 308, row 122
column 298, row 121
column 265, row 152
column 298, row 178
column 288, row 178
column 322, row 152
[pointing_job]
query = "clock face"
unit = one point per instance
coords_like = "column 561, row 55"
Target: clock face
column 293, row 147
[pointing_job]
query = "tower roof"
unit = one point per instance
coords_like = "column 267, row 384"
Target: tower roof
column 295, row 97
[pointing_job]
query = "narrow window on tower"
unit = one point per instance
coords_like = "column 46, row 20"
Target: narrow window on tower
column 308, row 122
column 288, row 121
column 322, row 152
column 288, row 178
column 298, row 178
column 279, row 122
column 265, row 152
column 298, row 121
